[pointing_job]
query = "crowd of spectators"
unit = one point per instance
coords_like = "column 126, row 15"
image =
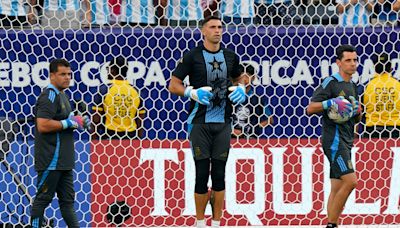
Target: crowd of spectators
column 75, row 14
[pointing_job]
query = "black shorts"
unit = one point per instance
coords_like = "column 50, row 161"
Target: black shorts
column 211, row 140
column 340, row 160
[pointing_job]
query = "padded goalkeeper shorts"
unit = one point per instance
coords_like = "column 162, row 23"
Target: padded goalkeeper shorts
column 210, row 140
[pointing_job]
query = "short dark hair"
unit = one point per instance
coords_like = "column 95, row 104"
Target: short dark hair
column 119, row 66
column 209, row 18
column 382, row 63
column 246, row 68
column 54, row 64
column 344, row 48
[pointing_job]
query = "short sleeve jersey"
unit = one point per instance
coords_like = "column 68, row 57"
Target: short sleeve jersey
column 53, row 151
column 334, row 86
column 214, row 69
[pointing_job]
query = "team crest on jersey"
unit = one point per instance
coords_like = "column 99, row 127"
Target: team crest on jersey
column 197, row 151
column 224, row 155
column 216, row 65
column 342, row 93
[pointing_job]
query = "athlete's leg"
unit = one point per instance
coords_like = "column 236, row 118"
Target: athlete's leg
column 66, row 196
column 219, row 156
column 200, row 141
column 46, row 187
column 335, row 186
column 349, row 182
column 201, row 188
column 218, row 187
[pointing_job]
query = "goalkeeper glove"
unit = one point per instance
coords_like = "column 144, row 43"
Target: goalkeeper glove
column 341, row 105
column 356, row 106
column 238, row 96
column 201, row 95
column 76, row 122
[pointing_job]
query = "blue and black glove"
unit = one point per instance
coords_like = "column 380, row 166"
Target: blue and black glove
column 238, row 95
column 201, row 95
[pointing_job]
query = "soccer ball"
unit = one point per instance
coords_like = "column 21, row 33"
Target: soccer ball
column 337, row 116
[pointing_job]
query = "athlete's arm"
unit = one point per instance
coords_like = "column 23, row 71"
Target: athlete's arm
column 314, row 107
column 176, row 86
column 48, row 125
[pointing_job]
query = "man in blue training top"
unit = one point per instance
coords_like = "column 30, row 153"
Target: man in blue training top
column 212, row 71
column 337, row 139
column 54, row 146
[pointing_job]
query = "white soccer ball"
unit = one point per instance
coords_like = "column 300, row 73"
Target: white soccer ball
column 339, row 117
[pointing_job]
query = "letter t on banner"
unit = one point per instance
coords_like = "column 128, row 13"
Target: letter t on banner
column 249, row 210
column 159, row 156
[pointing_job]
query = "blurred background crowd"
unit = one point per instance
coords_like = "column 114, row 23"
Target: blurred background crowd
column 76, row 14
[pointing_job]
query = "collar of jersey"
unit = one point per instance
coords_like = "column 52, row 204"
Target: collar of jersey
column 51, row 86
column 204, row 48
column 119, row 82
column 338, row 77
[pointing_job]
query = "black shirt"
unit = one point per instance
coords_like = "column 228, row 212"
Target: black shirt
column 334, row 86
column 53, row 151
column 215, row 69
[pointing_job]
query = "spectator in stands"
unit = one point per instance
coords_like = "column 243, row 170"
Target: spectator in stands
column 182, row 12
column 354, row 13
column 61, row 14
column 237, row 12
column 137, row 12
column 13, row 13
column 318, row 12
column 115, row 10
column 276, row 12
column 382, row 101
column 251, row 117
column 385, row 12
column 117, row 109
column 97, row 13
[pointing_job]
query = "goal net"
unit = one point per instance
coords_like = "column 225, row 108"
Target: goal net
column 279, row 178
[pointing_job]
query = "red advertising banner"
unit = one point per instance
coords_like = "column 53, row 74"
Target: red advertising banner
column 268, row 182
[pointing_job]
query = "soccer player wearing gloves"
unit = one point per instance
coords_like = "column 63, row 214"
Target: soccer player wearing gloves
column 337, row 139
column 76, row 122
column 213, row 73
column 341, row 105
column 54, row 146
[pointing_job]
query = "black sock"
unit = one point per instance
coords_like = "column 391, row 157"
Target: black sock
column 331, row 225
